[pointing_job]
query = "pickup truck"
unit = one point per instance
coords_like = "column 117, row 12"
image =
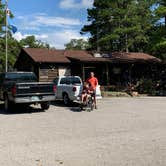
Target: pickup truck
column 69, row 89
column 23, row 88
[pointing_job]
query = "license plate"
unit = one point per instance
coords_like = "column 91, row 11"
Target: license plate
column 34, row 98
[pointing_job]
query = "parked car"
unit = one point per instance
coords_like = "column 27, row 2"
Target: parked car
column 23, row 88
column 69, row 89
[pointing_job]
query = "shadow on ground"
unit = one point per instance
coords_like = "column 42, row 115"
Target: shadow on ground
column 73, row 106
column 20, row 109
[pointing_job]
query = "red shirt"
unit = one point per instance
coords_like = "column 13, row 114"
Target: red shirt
column 93, row 82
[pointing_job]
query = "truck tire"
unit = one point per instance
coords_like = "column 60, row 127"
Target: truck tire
column 66, row 99
column 7, row 104
column 45, row 106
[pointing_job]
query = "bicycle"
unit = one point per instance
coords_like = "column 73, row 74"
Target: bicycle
column 89, row 103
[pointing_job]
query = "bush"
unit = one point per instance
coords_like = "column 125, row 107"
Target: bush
column 146, row 86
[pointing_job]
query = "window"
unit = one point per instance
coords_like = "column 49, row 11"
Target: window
column 69, row 80
column 21, row 77
column 75, row 80
column 65, row 81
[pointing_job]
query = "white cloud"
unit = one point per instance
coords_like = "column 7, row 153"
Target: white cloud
column 55, row 39
column 60, row 38
column 56, row 21
column 40, row 20
column 56, row 31
column 18, row 36
column 69, row 4
column 41, row 37
column 87, row 3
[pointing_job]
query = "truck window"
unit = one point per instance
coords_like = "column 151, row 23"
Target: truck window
column 65, row 81
column 68, row 82
column 75, row 80
column 21, row 77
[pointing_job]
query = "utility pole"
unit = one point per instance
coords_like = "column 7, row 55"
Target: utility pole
column 6, row 29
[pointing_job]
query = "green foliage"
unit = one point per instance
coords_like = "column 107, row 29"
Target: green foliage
column 30, row 41
column 160, row 11
column 146, row 86
column 157, row 44
column 77, row 44
column 160, row 50
column 13, row 51
column 2, row 17
column 120, row 25
column 14, row 46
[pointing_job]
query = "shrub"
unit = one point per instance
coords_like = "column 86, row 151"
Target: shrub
column 146, row 86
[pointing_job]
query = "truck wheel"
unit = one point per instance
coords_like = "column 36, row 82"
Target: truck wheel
column 66, row 99
column 7, row 104
column 45, row 106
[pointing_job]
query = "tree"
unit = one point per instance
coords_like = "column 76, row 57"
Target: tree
column 14, row 46
column 77, row 44
column 161, row 10
column 157, row 44
column 2, row 16
column 31, row 41
column 118, row 25
column 13, row 51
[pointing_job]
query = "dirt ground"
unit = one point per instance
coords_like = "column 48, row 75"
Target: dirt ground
column 122, row 132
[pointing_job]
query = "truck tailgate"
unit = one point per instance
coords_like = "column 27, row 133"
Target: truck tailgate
column 34, row 88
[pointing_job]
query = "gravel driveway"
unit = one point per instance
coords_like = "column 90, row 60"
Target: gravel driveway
column 122, row 132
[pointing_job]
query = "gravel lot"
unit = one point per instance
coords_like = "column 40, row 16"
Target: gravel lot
column 122, row 132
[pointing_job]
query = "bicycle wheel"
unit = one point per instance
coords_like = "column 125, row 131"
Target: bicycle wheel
column 90, row 103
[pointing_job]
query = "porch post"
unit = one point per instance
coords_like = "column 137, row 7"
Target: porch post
column 107, row 74
column 83, row 73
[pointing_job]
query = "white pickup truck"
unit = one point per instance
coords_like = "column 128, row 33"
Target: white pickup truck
column 69, row 88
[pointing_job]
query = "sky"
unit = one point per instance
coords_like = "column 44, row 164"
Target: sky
column 53, row 21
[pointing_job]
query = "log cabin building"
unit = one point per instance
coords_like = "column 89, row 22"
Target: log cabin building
column 111, row 69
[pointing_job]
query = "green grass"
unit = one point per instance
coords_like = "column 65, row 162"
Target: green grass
column 114, row 94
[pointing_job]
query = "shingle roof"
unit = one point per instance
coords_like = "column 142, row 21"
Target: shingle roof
column 45, row 55
column 66, row 56
column 82, row 56
column 118, row 57
column 134, row 56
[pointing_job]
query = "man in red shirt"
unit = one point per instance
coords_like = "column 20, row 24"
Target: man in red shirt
column 93, row 82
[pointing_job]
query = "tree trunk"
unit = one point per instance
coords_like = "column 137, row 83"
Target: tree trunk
column 126, row 43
